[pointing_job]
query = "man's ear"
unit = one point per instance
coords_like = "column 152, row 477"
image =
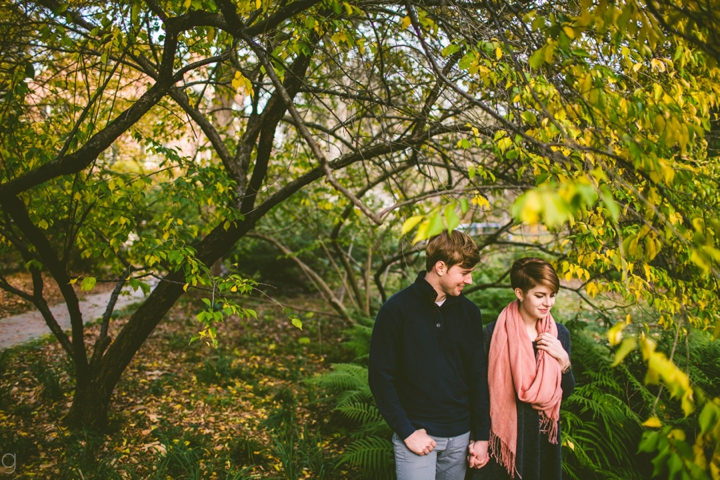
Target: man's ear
column 440, row 268
column 519, row 294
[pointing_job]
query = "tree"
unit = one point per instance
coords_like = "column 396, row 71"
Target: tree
column 147, row 80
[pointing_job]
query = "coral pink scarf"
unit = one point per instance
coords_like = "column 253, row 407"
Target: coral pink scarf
column 514, row 369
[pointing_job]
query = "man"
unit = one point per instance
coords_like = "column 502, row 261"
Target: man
column 427, row 367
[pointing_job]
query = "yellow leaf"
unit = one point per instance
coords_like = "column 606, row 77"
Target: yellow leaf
column 410, row 223
column 655, row 63
column 569, row 32
column 481, row 201
column 421, row 232
column 615, row 334
column 258, row 4
column 652, row 422
column 549, row 51
column 405, row 22
column 528, row 207
column 628, row 345
column 498, row 53
column 43, row 224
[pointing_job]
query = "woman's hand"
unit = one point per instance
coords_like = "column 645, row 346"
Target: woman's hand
column 552, row 346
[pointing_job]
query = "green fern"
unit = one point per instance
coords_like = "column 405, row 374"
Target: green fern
column 366, row 415
column 601, row 421
column 370, row 451
column 374, row 454
column 342, row 378
column 362, row 413
column 359, row 342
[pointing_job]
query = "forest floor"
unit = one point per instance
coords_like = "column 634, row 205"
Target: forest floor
column 185, row 410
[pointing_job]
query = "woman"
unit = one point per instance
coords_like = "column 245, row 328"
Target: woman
column 528, row 376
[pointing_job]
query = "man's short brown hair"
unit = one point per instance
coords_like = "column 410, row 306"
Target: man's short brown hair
column 456, row 248
column 527, row 273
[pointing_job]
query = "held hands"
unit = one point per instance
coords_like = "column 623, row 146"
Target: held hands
column 554, row 348
column 420, row 443
column 478, row 454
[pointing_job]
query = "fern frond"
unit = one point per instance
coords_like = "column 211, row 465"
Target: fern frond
column 343, row 377
column 361, row 413
column 350, row 396
column 372, row 454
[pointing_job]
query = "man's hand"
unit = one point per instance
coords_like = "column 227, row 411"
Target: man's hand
column 420, row 443
column 478, row 454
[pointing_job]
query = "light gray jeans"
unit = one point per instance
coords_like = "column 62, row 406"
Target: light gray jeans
column 446, row 462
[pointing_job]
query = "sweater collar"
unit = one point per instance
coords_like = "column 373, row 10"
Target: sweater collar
column 429, row 293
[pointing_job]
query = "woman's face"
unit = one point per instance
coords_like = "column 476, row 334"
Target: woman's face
column 537, row 301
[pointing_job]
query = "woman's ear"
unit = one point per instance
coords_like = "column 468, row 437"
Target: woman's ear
column 519, row 294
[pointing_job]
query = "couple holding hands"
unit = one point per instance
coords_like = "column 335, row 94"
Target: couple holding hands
column 457, row 395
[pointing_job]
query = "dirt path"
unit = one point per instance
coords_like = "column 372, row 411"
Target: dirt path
column 24, row 327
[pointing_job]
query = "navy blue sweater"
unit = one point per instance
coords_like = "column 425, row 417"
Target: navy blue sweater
column 427, row 364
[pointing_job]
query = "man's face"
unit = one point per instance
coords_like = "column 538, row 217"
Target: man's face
column 454, row 279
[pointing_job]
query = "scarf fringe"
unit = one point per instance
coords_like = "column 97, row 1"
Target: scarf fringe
column 503, row 454
column 549, row 426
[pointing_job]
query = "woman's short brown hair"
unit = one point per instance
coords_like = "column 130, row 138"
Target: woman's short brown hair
column 454, row 249
column 527, row 273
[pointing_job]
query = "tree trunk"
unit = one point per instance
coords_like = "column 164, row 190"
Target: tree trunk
column 90, row 405
column 94, row 390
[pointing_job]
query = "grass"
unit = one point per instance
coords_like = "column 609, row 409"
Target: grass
column 181, row 410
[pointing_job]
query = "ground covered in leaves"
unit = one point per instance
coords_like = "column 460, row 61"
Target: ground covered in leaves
column 241, row 411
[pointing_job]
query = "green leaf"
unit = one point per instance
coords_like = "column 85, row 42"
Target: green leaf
column 450, row 49
column 649, row 442
column 464, row 206
column 88, row 283
column 708, row 419
column 297, row 323
column 451, row 218
column 537, row 58
column 529, row 117
column 610, row 203
column 436, row 225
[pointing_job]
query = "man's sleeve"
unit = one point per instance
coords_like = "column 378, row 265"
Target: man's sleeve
column 479, row 395
column 382, row 373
